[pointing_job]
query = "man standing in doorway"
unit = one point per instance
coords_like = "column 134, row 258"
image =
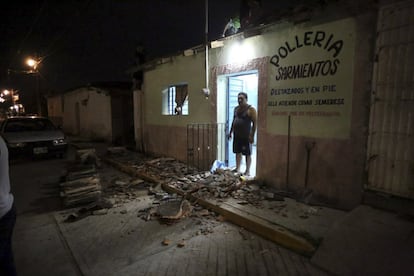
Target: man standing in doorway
column 7, row 214
column 244, row 128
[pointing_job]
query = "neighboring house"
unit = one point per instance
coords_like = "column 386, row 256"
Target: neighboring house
column 55, row 106
column 333, row 90
column 99, row 111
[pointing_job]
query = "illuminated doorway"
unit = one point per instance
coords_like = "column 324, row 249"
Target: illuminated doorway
column 228, row 88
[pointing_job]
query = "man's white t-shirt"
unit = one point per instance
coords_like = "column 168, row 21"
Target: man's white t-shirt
column 6, row 198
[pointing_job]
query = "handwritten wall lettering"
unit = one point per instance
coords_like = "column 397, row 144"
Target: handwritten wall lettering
column 315, row 39
column 311, row 80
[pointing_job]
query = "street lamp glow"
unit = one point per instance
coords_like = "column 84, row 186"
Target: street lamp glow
column 14, row 96
column 32, row 63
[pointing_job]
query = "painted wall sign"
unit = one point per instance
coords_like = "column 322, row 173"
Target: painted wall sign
column 311, row 80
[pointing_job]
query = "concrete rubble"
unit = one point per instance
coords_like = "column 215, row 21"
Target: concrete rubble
column 218, row 185
column 179, row 191
column 222, row 183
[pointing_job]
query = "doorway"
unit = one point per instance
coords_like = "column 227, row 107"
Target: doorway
column 228, row 88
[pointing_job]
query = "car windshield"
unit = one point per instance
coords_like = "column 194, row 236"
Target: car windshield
column 18, row 125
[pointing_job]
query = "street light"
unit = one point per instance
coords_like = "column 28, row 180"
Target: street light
column 34, row 63
column 13, row 95
column 15, row 109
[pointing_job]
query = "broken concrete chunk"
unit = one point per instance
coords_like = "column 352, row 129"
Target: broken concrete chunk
column 175, row 209
column 166, row 242
column 181, row 244
column 88, row 156
column 121, row 182
column 137, row 181
column 311, row 211
column 163, row 196
column 204, row 212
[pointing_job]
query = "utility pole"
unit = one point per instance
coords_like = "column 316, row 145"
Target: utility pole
column 206, row 90
column 38, row 97
column 33, row 63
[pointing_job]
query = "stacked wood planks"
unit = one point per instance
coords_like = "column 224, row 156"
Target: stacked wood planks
column 81, row 184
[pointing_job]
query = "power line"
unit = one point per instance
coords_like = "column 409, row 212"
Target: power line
column 68, row 26
column 28, row 33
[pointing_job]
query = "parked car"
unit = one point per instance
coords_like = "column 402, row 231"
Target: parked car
column 33, row 136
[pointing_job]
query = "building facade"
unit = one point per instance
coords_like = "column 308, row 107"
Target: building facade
column 334, row 95
column 101, row 112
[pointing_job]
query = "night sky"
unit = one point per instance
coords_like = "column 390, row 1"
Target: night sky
column 90, row 41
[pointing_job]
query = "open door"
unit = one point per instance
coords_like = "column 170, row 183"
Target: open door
column 246, row 82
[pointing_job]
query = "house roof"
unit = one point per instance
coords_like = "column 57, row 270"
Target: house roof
column 111, row 87
column 125, row 85
column 104, row 85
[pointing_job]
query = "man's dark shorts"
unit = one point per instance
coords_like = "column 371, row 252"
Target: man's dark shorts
column 242, row 146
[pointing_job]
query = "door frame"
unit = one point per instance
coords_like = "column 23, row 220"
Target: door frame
column 224, row 93
column 218, row 85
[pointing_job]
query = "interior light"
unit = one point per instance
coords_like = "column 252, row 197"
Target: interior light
column 240, row 51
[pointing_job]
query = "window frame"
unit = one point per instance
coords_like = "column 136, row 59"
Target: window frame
column 168, row 101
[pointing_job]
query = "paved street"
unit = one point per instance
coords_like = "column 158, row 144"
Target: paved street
column 39, row 247
column 122, row 243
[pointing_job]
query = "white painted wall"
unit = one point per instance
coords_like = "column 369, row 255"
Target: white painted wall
column 94, row 111
column 181, row 69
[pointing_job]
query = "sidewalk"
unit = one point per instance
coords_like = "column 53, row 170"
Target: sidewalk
column 123, row 244
column 364, row 241
column 367, row 241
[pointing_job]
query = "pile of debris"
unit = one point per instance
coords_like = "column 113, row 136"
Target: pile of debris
column 218, row 184
column 148, row 177
column 221, row 184
column 81, row 184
